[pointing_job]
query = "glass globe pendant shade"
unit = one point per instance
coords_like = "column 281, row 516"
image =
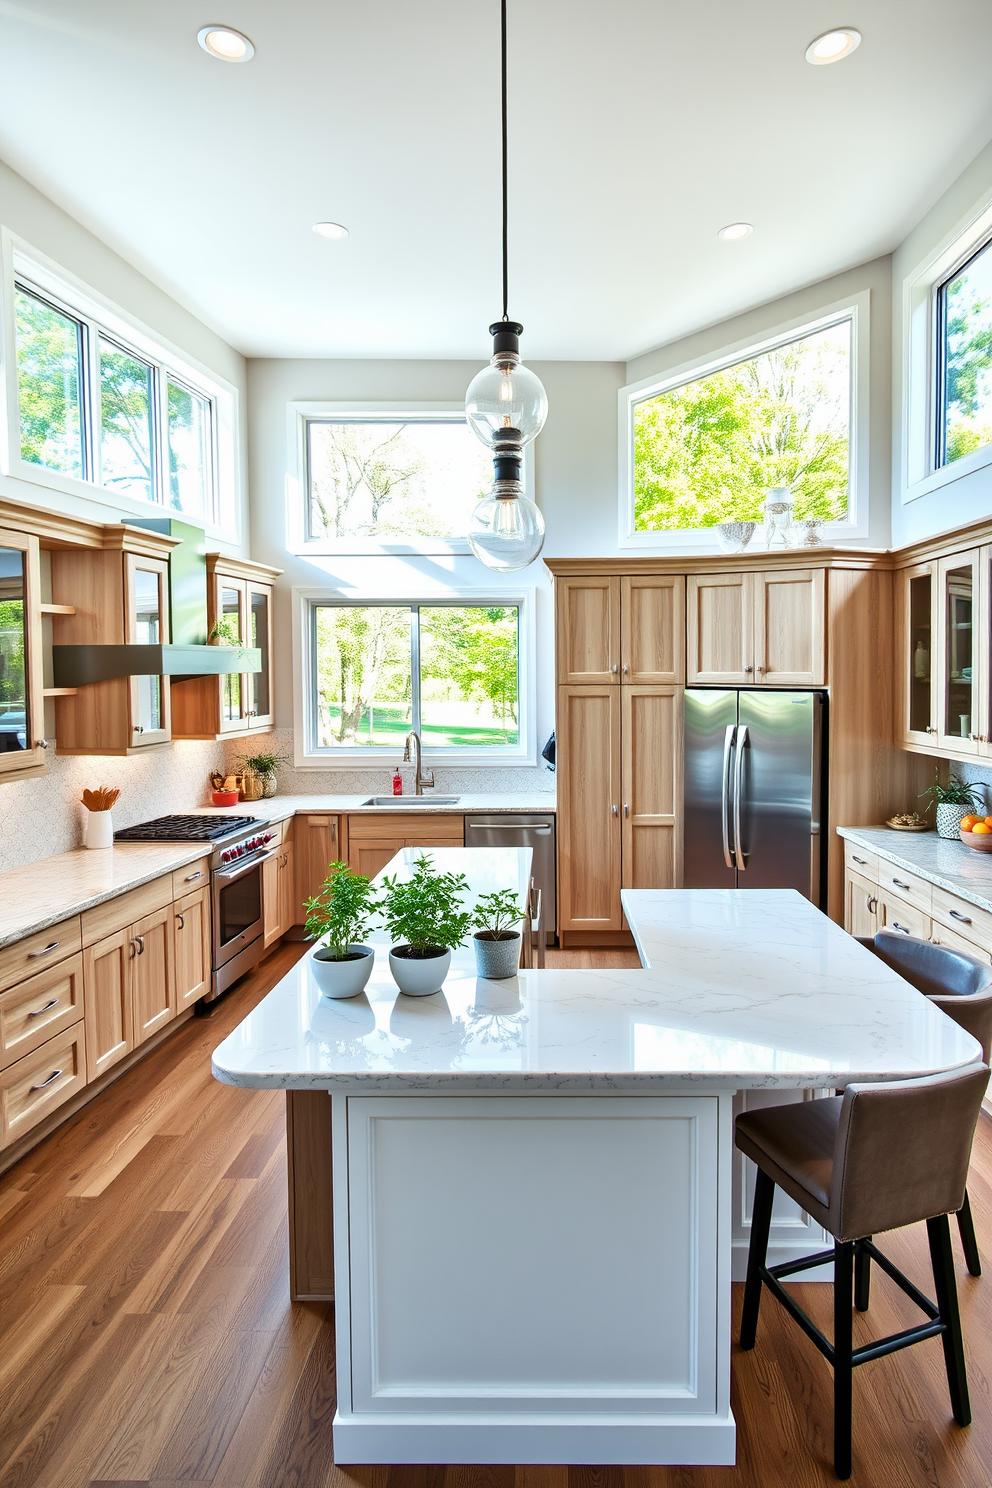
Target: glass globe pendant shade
column 506, row 532
column 506, row 394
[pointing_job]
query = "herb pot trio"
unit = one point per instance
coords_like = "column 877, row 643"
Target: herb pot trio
column 425, row 921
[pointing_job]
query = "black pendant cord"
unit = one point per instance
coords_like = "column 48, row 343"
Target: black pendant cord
column 506, row 294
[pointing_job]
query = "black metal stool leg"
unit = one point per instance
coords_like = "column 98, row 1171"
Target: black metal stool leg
column 761, row 1219
column 843, row 1345
column 969, row 1242
column 862, row 1278
column 942, row 1260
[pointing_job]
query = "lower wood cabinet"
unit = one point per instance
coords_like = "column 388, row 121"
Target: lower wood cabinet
column 191, row 932
column 39, row 1008
column 107, row 988
column 279, row 894
column 35, row 1086
column 129, row 982
column 153, row 973
column 373, row 840
column 882, row 897
column 317, row 844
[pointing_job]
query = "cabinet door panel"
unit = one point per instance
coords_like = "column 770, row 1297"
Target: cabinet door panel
column 897, row 914
column 288, row 914
column 860, row 906
column 42, row 1081
column 230, row 610
column 24, row 723
column 146, row 612
column 107, row 1002
column 271, row 927
column 191, row 924
column 369, row 855
column 652, row 781
column 589, row 848
column 588, row 629
column 719, row 628
column 317, row 845
column 652, row 628
column 39, row 1008
column 789, row 627
column 916, row 670
column 961, row 659
column 259, row 684
column 153, row 978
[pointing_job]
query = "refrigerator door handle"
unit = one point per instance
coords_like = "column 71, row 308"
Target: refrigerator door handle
column 728, row 750
column 739, row 854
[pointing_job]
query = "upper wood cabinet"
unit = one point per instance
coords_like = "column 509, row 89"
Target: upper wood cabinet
column 239, row 606
column 587, row 629
column 22, row 717
column 962, row 663
column 652, row 628
column 916, row 631
column 766, row 628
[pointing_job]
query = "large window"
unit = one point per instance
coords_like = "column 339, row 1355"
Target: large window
column 93, row 407
column 964, row 349
column 451, row 671
column 707, row 450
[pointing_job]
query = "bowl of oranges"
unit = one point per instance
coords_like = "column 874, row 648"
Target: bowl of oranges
column 976, row 831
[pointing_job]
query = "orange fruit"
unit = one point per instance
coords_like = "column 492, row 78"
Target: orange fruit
column 987, row 820
column 967, row 822
column 981, row 829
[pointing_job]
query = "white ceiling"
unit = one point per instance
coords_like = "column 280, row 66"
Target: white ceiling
column 637, row 129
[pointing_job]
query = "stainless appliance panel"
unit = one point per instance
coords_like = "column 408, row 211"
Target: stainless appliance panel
column 510, row 829
column 777, row 800
column 710, row 730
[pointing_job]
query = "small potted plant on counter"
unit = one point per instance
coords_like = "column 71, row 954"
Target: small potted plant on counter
column 339, row 916
column 497, row 946
column 953, row 801
column 264, row 766
column 425, row 921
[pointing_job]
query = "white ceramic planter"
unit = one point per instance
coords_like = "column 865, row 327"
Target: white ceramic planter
column 495, row 959
column 342, row 978
column 949, row 819
column 419, row 978
column 99, row 829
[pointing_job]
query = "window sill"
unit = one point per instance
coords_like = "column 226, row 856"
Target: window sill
column 119, row 507
column 947, row 474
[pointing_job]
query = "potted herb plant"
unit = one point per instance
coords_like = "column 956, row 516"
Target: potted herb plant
column 339, row 916
column 497, row 946
column 425, row 921
column 953, row 801
column 264, row 765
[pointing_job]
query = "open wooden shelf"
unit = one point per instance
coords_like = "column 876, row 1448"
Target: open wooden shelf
column 58, row 692
column 54, row 609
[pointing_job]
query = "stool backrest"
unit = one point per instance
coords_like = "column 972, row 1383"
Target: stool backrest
column 903, row 1150
column 934, row 970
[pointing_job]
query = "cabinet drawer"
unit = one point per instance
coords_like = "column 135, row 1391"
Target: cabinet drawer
column 187, row 880
column 896, row 881
column 126, row 908
column 39, row 1083
column 409, row 826
column 941, row 936
column 861, row 861
column 40, row 1007
column 901, row 916
column 35, row 952
column 963, row 918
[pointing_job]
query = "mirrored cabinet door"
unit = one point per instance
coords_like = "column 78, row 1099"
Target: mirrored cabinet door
column 22, row 743
column 960, row 724
column 148, row 625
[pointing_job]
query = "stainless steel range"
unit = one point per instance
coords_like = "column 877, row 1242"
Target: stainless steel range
column 240, row 848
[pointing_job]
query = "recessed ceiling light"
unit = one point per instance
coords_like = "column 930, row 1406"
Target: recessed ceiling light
column 833, row 46
column 330, row 230
column 225, row 43
column 734, row 231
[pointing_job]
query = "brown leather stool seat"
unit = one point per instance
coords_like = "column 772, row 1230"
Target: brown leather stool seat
column 873, row 1159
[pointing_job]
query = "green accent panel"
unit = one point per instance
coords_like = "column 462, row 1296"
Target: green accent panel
column 187, row 579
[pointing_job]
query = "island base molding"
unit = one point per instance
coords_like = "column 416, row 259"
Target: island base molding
column 631, row 1443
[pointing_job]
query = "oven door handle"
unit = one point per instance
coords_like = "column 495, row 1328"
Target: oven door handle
column 228, row 875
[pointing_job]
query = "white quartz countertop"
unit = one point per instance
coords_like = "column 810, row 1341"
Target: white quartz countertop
column 940, row 860
column 740, row 988
column 278, row 808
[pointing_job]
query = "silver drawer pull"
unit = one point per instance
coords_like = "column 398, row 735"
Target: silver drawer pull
column 140, row 939
column 896, row 926
column 862, row 861
column 33, row 955
column 965, row 919
column 47, row 1082
column 898, row 883
column 192, row 877
column 37, row 1012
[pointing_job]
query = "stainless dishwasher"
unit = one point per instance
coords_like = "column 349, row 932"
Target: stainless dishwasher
column 534, row 830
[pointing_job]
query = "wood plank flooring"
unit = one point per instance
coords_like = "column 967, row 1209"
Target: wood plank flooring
column 147, row 1339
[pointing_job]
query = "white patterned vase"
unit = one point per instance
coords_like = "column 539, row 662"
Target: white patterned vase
column 949, row 819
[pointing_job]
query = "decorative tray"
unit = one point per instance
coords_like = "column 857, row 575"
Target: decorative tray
column 897, row 826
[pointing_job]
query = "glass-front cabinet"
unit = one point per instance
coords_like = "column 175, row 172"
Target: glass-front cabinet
column 239, row 609
column 147, row 624
column 962, row 660
column 22, row 743
column 917, row 623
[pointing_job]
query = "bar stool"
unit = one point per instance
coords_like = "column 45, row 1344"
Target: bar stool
column 876, row 1158
column 961, row 986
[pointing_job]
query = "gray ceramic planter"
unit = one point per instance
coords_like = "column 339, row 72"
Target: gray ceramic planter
column 495, row 959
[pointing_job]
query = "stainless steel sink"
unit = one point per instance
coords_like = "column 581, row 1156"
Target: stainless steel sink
column 415, row 802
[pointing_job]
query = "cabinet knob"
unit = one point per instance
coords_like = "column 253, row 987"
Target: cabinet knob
column 749, row 668
column 615, row 810
column 626, row 808
column 615, row 668
column 626, row 670
column 138, row 729
column 41, row 743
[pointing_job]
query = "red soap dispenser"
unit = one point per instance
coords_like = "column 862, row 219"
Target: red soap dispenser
column 397, row 784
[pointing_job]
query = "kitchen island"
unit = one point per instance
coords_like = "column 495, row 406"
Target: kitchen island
column 532, row 1179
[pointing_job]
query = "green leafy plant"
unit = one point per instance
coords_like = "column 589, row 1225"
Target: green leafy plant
column 495, row 913
column 954, row 793
column 340, row 913
column 423, row 914
column 261, row 764
column 225, row 630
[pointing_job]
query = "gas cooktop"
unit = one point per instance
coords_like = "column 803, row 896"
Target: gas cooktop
column 186, row 829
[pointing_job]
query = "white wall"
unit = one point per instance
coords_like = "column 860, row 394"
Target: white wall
column 970, row 497
column 44, row 227
column 575, row 476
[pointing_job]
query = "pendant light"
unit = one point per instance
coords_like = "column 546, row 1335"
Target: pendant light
column 506, row 405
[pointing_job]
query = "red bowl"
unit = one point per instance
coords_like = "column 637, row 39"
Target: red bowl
column 224, row 798
column 980, row 841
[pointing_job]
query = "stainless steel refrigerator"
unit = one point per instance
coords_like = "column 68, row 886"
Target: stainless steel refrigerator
column 752, row 789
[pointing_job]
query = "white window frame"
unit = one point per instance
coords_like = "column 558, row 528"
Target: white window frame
column 919, row 473
column 856, row 309
column 22, row 264
column 307, row 756
column 298, row 504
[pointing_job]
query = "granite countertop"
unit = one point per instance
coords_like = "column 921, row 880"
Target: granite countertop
column 739, row 988
column 940, row 860
column 278, row 808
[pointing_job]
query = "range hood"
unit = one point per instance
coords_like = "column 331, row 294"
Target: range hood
column 188, row 655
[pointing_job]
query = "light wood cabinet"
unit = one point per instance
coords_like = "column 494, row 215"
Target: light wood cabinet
column 107, row 1002
column 153, row 973
column 191, row 949
column 39, row 1008
column 587, row 632
column 962, row 664
column 373, row 840
column 860, row 906
column 652, row 628
column 916, row 638
column 651, row 822
column 589, row 770
column 279, row 894
column 766, row 628
column 22, row 707
column 317, row 843
column 35, row 1086
column 240, row 602
column 23, row 958
column 129, row 981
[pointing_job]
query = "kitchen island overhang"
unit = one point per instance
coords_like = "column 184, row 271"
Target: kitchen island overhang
column 532, row 1180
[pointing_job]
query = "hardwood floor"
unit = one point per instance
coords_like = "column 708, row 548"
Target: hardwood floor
column 147, row 1339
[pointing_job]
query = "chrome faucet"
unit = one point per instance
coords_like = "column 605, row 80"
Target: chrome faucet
column 421, row 777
